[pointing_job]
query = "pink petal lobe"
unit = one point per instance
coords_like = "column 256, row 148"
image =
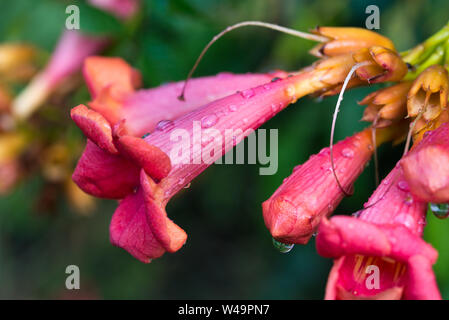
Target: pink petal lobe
column 154, row 161
column 343, row 235
column 170, row 235
column 113, row 73
column 426, row 166
column 129, row 229
column 94, row 126
column 105, row 175
column 421, row 284
column 140, row 224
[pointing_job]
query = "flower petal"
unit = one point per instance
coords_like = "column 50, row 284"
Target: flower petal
column 105, row 175
column 94, row 126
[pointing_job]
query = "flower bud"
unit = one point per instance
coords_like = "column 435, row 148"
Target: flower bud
column 386, row 65
column 347, row 40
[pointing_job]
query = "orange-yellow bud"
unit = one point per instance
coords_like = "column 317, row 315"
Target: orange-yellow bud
column 386, row 106
column 385, row 65
column 429, row 93
column 346, row 40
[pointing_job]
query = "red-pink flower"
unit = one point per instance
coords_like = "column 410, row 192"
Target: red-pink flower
column 143, row 170
column 102, row 171
column 386, row 235
column 426, row 166
column 311, row 192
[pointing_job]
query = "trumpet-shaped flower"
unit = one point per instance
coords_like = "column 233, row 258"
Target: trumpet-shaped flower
column 311, row 192
column 380, row 253
column 144, row 170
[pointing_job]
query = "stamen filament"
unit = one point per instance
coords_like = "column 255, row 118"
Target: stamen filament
column 296, row 33
column 334, row 120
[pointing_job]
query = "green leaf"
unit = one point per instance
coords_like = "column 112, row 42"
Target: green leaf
column 97, row 22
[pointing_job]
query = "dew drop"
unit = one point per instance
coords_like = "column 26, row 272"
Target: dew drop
column 347, row 153
column 232, row 108
column 145, row 135
column 357, row 213
column 276, row 79
column 426, row 134
column 208, row 121
column 266, row 86
column 187, row 186
column 290, row 91
column 181, row 181
column 440, row 210
column 248, row 93
column 165, row 125
column 282, row 247
column 403, row 185
column 408, row 200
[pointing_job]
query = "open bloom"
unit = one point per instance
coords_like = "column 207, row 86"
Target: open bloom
column 120, row 162
column 344, row 40
column 311, row 192
column 380, row 254
column 426, row 166
column 429, row 93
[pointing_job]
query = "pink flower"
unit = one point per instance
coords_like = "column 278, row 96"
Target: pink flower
column 311, row 192
column 102, row 171
column 426, row 166
column 144, row 170
column 123, row 9
column 386, row 235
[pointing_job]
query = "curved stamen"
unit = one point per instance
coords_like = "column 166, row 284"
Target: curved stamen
column 300, row 34
column 334, row 120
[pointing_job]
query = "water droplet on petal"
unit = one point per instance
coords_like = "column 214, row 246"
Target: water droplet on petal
column 440, row 210
column 403, row 185
column 266, row 86
column 208, row 121
column 164, row 125
column 145, row 135
column 187, row 186
column 282, row 247
column 426, row 134
column 408, row 199
column 347, row 153
column 232, row 108
column 248, row 93
column 276, row 79
column 357, row 213
column 181, row 181
column 290, row 91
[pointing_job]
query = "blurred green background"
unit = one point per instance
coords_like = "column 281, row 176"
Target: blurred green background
column 229, row 254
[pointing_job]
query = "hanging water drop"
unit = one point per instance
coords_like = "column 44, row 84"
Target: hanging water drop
column 282, row 247
column 440, row 210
